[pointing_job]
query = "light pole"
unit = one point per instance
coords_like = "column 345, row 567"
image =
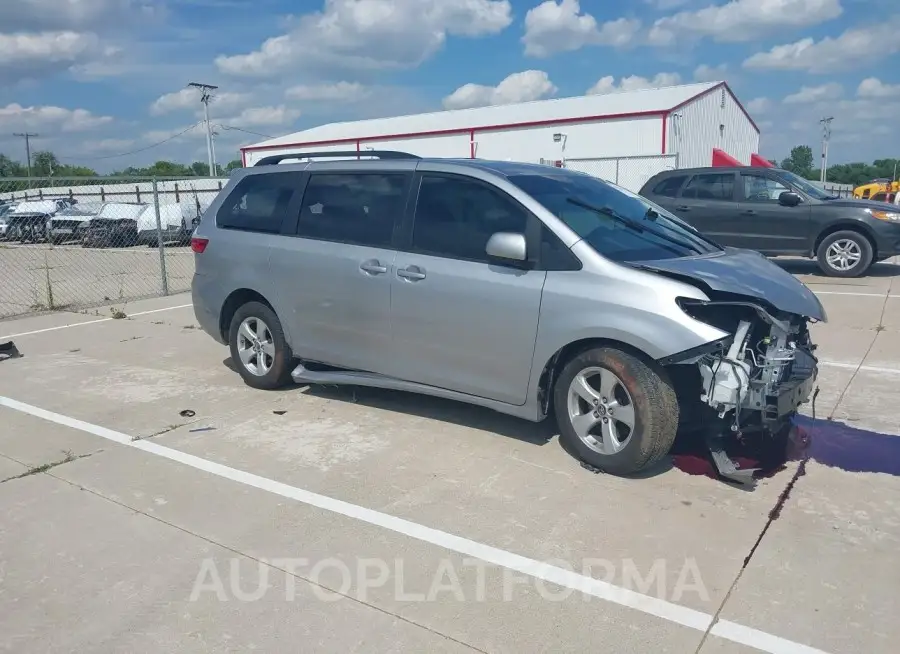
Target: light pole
column 561, row 138
column 205, row 96
column 826, row 136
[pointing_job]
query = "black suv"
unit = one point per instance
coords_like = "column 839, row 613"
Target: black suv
column 779, row 213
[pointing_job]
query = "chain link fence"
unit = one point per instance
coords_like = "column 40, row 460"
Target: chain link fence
column 70, row 244
column 628, row 172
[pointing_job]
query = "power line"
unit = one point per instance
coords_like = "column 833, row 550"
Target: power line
column 139, row 150
column 246, row 131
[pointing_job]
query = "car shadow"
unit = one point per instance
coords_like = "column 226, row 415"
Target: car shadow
column 811, row 268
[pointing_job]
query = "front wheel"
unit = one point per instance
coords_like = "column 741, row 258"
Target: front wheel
column 614, row 411
column 258, row 347
column 845, row 254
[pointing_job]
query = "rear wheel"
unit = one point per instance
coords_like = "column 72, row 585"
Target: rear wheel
column 845, row 254
column 258, row 347
column 614, row 411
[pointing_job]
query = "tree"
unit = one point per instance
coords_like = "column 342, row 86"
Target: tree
column 44, row 164
column 10, row 168
column 233, row 165
column 800, row 161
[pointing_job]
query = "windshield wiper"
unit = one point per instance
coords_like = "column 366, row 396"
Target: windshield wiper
column 633, row 224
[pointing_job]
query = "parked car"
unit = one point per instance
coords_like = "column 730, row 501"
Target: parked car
column 110, row 233
column 519, row 287
column 5, row 209
column 172, row 225
column 779, row 213
column 69, row 224
column 28, row 221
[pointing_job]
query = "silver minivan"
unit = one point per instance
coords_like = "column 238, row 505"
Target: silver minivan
column 523, row 288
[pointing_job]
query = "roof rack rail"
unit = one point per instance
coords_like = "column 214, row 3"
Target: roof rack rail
column 380, row 154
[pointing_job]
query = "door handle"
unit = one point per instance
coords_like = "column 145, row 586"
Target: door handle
column 682, row 208
column 411, row 273
column 373, row 267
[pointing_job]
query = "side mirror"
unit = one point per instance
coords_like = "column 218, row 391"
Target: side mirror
column 507, row 245
column 789, row 199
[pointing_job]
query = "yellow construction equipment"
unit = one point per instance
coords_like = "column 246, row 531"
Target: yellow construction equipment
column 877, row 187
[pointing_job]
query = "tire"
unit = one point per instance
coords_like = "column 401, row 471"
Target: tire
column 277, row 365
column 850, row 242
column 647, row 390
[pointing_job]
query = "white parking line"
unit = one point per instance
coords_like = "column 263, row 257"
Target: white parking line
column 90, row 322
column 854, row 366
column 660, row 608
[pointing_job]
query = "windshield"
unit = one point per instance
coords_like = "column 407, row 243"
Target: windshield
column 617, row 223
column 808, row 188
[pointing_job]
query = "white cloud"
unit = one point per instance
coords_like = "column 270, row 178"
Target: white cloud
column 742, row 20
column 706, row 73
column 854, row 47
column 189, row 98
column 36, row 15
column 49, row 119
column 335, row 92
column 633, row 83
column 872, row 87
column 810, row 94
column 370, row 35
column 264, row 117
column 562, row 27
column 518, row 87
column 33, row 55
column 758, row 106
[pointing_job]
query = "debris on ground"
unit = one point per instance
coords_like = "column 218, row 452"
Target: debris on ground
column 279, row 413
column 187, row 413
column 202, row 429
column 590, row 468
column 9, row 350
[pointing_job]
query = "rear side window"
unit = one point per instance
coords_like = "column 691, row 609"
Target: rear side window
column 669, row 186
column 258, row 203
column 356, row 208
column 710, row 186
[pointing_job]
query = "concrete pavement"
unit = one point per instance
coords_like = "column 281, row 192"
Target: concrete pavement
column 391, row 522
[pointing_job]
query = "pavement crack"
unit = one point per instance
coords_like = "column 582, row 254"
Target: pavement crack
column 774, row 514
column 878, row 329
column 162, row 431
column 68, row 458
column 270, row 564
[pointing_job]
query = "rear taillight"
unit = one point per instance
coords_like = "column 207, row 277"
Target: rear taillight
column 198, row 245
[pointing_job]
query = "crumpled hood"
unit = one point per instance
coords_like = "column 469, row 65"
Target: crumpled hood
column 747, row 273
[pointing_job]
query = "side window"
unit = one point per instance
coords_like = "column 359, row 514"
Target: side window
column 866, row 193
column 760, row 188
column 668, row 187
column 456, row 217
column 710, row 186
column 258, row 203
column 357, row 208
column 879, row 197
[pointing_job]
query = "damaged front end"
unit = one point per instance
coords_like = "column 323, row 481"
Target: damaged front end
column 748, row 384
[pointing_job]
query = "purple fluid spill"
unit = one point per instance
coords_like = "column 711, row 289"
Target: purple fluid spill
column 826, row 442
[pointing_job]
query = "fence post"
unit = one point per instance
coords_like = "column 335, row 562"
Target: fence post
column 617, row 169
column 164, row 278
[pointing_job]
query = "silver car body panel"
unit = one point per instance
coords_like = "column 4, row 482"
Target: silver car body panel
column 474, row 332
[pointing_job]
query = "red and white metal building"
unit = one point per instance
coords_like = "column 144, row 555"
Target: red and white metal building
column 625, row 136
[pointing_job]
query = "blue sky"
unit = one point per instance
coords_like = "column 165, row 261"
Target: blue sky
column 101, row 78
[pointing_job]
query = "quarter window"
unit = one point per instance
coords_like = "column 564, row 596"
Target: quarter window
column 759, row 188
column 258, row 203
column 357, row 208
column 456, row 217
column 710, row 186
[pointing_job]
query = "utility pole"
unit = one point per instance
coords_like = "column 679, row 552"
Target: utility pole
column 27, row 136
column 826, row 136
column 214, row 172
column 205, row 96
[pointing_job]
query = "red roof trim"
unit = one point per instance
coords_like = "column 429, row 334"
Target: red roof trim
column 460, row 130
column 664, row 121
column 716, row 88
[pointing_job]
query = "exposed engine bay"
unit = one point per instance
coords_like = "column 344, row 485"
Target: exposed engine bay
column 751, row 382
